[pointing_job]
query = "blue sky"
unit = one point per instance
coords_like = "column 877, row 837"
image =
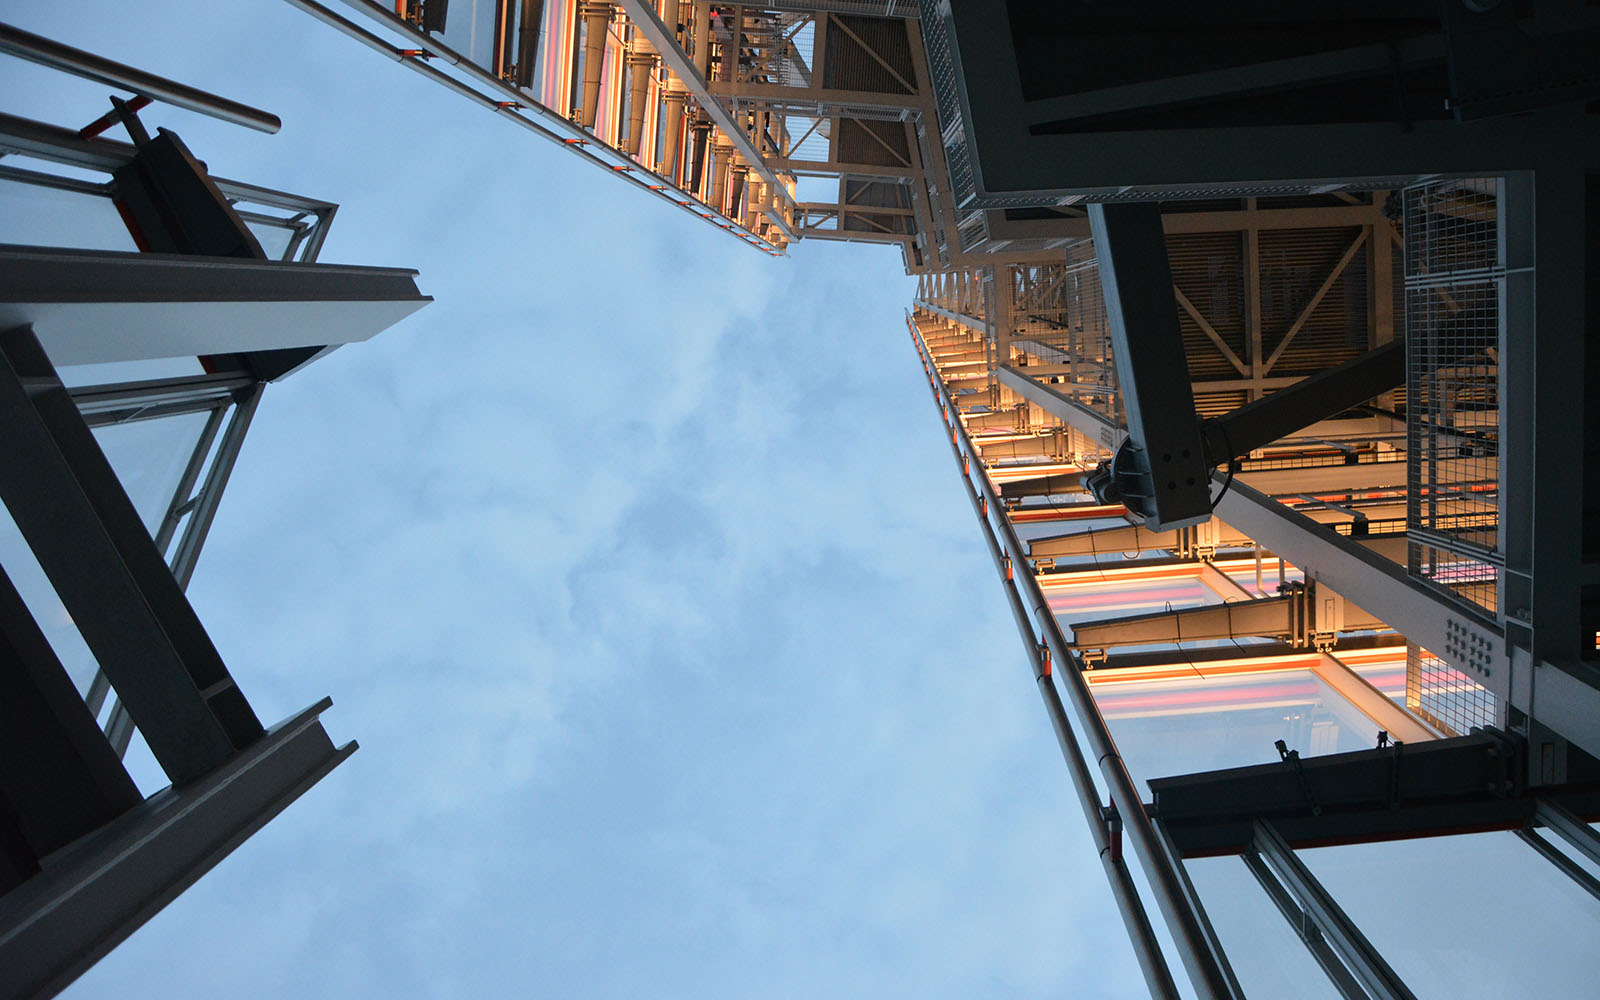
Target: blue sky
column 640, row 571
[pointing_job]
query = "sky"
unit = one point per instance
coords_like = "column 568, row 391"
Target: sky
column 637, row 566
column 640, row 569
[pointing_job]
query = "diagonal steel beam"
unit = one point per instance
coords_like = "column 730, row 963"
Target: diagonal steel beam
column 644, row 17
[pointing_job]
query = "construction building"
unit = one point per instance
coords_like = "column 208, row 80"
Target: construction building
column 1261, row 338
column 1240, row 321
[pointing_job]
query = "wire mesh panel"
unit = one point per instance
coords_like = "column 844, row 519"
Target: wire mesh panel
column 1446, row 697
column 1453, row 283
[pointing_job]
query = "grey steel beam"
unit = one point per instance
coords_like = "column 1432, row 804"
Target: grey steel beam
column 972, row 323
column 1309, row 400
column 1384, row 712
column 1361, row 477
column 1565, row 865
column 1435, row 788
column 1464, row 637
column 827, row 100
column 73, row 512
column 205, row 509
column 1041, row 486
column 1103, row 541
column 58, row 778
column 105, row 886
column 1305, row 928
column 47, row 52
column 121, row 402
column 1152, row 370
column 1369, row 968
column 165, row 306
column 183, row 494
column 1561, row 821
column 1291, row 616
column 1064, row 408
column 1164, row 658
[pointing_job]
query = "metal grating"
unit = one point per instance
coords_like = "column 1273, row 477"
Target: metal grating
column 1446, row 697
column 942, row 74
column 1453, row 279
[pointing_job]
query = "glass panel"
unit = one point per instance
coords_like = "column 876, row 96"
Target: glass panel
column 274, row 240
column 1384, row 669
column 35, row 215
column 1266, row 954
column 1196, row 721
column 40, row 597
column 469, row 30
column 149, row 457
column 1436, row 910
column 111, row 372
column 1114, row 596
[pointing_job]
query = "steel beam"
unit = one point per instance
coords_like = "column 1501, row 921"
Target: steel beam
column 1369, row 701
column 1306, row 928
column 970, row 322
column 163, row 306
column 105, row 886
column 1436, row 788
column 210, row 496
column 1063, row 407
column 1465, row 638
column 1318, row 397
column 68, row 503
column 59, row 779
column 47, row 52
column 1152, row 370
column 1293, row 616
column 1363, row 960
column 642, row 14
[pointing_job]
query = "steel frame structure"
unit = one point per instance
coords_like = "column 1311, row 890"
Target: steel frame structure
column 86, row 857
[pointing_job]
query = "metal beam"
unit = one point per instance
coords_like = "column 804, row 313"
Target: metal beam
column 1369, row 701
column 103, row 888
column 1306, row 929
column 163, row 306
column 1064, row 408
column 1362, row 959
column 1152, row 371
column 643, row 16
column 1422, row 615
column 47, row 52
column 1292, row 616
column 68, row 503
column 1436, row 788
column 210, row 496
column 58, row 778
